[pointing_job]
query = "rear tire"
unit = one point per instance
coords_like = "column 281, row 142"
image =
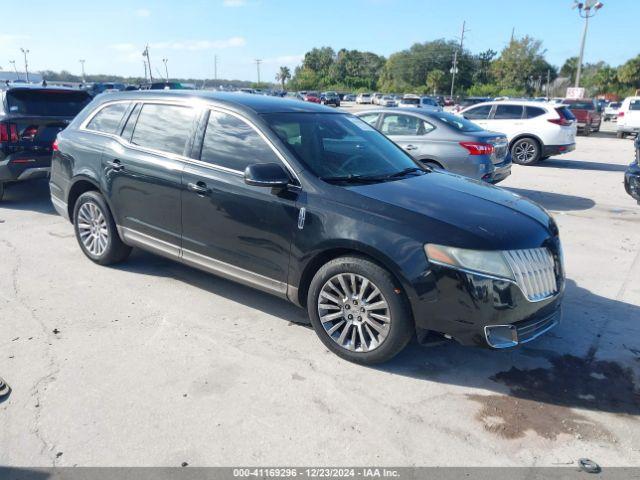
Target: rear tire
column 620, row 135
column 366, row 317
column 587, row 131
column 1, row 191
column 96, row 230
column 526, row 151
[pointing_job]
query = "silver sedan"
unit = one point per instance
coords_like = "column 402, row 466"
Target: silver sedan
column 445, row 141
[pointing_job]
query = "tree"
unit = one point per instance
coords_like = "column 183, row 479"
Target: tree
column 283, row 75
column 521, row 65
column 482, row 72
column 629, row 73
column 570, row 68
column 434, row 80
column 319, row 60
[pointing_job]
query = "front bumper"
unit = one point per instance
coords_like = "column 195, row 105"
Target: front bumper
column 632, row 181
column 24, row 166
column 551, row 150
column 484, row 311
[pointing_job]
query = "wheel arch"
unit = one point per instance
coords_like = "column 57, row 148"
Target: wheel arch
column 81, row 184
column 527, row 135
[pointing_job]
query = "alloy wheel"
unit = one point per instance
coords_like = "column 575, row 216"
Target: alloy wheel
column 92, row 227
column 354, row 312
column 525, row 152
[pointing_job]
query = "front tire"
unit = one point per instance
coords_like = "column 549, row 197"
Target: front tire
column 526, row 151
column 96, row 230
column 358, row 311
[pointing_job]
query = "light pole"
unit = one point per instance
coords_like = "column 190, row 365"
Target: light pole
column 26, row 65
column 258, row 62
column 83, row 76
column 15, row 69
column 166, row 69
column 586, row 10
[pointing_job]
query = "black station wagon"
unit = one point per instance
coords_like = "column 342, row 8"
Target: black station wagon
column 315, row 206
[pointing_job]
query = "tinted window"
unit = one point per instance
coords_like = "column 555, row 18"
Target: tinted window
column 108, row 119
column 411, row 101
column 163, row 127
column 508, row 112
column 634, row 105
column 55, row 103
column 370, row 118
column 533, row 112
column 404, row 125
column 338, row 145
column 478, row 113
column 428, row 101
column 231, row 143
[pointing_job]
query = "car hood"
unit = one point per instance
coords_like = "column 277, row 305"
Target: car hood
column 495, row 218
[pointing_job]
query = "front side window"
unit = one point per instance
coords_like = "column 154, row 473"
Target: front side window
column 163, row 127
column 404, row 125
column 108, row 119
column 370, row 118
column 231, row 143
column 478, row 113
column 508, row 112
column 339, row 147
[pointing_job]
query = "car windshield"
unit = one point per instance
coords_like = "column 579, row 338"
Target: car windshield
column 411, row 101
column 458, row 122
column 55, row 103
column 340, row 147
column 581, row 105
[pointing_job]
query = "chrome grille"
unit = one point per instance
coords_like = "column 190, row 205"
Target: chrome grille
column 534, row 270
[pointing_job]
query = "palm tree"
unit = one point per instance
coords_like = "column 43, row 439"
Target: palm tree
column 283, row 75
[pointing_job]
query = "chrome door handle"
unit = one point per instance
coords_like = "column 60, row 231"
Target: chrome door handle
column 200, row 188
column 410, row 147
column 116, row 165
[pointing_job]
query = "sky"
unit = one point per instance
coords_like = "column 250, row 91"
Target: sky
column 110, row 36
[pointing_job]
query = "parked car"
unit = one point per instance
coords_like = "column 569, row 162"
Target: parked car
column 587, row 113
column 375, row 98
column 175, row 86
column 349, row 97
column 414, row 101
column 330, row 98
column 313, row 205
column 445, row 141
column 388, row 101
column 629, row 117
column 30, row 119
column 535, row 130
column 98, row 88
column 611, row 111
column 312, row 97
column 363, row 99
column 470, row 101
column 632, row 175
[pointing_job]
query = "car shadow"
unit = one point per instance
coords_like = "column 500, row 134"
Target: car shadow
column 33, row 195
column 21, row 473
column 582, row 165
column 555, row 201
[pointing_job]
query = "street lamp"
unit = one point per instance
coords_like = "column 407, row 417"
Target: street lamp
column 15, row 69
column 26, row 65
column 166, row 69
column 83, row 77
column 586, row 10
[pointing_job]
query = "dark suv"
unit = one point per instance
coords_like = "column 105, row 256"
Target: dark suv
column 315, row 206
column 30, row 119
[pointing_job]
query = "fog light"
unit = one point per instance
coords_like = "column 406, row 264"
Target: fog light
column 501, row 336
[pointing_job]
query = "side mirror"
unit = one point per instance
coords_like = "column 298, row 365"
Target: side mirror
column 271, row 175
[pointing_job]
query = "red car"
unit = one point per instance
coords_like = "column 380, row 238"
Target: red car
column 587, row 113
column 313, row 97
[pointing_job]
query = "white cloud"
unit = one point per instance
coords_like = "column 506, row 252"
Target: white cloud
column 143, row 12
column 234, row 3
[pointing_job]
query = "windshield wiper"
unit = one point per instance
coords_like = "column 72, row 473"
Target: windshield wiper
column 351, row 179
column 404, row 172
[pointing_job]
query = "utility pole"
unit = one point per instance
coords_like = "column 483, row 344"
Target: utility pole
column 83, row 76
column 513, row 35
column 145, row 53
column 454, row 70
column 25, row 52
column 145, row 69
column 215, row 67
column 586, row 10
column 13, row 62
column 548, row 82
column 166, row 69
column 258, row 62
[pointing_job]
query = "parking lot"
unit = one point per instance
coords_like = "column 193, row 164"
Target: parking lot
column 155, row 363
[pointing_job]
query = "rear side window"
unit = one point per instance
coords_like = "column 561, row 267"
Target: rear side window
column 478, row 113
column 634, row 105
column 404, row 125
column 508, row 112
column 231, row 143
column 108, row 119
column 163, row 127
column 370, row 118
column 48, row 103
column 533, row 112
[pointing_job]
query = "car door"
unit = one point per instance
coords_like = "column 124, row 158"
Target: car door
column 508, row 119
column 229, row 227
column 143, row 173
column 480, row 115
column 410, row 133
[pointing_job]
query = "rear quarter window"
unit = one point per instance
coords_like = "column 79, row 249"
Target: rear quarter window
column 533, row 112
column 108, row 118
column 634, row 105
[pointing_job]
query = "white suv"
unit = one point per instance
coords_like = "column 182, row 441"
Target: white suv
column 629, row 117
column 535, row 130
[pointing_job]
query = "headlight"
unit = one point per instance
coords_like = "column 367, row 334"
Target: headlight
column 481, row 261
